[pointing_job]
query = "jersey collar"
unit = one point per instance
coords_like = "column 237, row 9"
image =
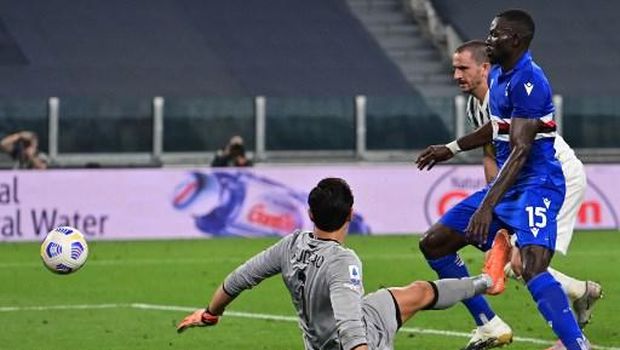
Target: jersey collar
column 485, row 102
column 322, row 239
column 525, row 59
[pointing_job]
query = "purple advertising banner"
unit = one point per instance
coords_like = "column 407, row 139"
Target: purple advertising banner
column 262, row 201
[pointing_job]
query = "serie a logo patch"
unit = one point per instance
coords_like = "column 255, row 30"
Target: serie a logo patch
column 355, row 275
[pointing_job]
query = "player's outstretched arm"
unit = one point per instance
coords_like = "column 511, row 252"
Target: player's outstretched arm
column 489, row 162
column 434, row 154
column 439, row 153
column 209, row 316
column 522, row 134
column 251, row 273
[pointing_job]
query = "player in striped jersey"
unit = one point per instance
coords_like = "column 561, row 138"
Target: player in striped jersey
column 529, row 190
column 325, row 283
column 470, row 64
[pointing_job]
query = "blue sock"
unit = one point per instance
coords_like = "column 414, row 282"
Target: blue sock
column 451, row 266
column 553, row 305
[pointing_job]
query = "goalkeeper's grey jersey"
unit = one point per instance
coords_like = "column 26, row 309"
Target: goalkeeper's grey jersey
column 325, row 283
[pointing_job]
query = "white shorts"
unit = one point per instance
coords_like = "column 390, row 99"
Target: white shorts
column 576, row 184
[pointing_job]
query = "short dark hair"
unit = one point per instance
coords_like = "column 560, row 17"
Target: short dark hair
column 330, row 203
column 478, row 49
column 521, row 21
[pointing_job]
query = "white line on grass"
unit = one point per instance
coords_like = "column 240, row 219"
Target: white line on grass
column 237, row 259
column 142, row 306
column 62, row 307
column 127, row 262
column 180, row 261
column 294, row 319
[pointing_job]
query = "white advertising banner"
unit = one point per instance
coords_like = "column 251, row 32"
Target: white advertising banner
column 185, row 203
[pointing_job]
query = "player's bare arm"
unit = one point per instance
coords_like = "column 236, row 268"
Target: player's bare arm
column 8, row 142
column 489, row 162
column 439, row 153
column 247, row 275
column 210, row 315
column 522, row 134
column 219, row 301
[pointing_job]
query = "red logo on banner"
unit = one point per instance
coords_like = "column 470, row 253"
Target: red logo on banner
column 590, row 212
column 279, row 221
column 450, row 199
column 595, row 212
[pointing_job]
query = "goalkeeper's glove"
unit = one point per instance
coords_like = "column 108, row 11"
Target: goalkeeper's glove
column 199, row 318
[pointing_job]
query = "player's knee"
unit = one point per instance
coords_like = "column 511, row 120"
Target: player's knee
column 535, row 260
column 424, row 294
column 527, row 274
column 532, row 270
column 414, row 297
column 440, row 241
column 424, row 244
column 427, row 294
column 431, row 242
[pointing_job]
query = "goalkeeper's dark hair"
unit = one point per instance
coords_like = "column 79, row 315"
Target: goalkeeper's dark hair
column 521, row 22
column 330, row 203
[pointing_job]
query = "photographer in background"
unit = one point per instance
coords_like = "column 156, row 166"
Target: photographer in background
column 23, row 147
column 233, row 155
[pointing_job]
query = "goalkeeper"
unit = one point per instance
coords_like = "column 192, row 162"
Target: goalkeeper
column 325, row 282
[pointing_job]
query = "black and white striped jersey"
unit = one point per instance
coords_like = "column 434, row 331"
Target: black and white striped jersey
column 477, row 113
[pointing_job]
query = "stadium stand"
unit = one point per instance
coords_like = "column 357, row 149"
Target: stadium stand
column 106, row 59
column 574, row 39
column 407, row 43
column 191, row 48
column 576, row 45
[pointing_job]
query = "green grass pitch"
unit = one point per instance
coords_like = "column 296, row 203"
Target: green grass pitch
column 131, row 294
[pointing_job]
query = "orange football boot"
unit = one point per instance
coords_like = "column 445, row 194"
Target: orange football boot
column 496, row 260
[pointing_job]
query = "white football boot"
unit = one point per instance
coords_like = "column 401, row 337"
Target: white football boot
column 493, row 334
column 584, row 305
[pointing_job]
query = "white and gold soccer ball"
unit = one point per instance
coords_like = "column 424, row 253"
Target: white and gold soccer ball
column 64, row 250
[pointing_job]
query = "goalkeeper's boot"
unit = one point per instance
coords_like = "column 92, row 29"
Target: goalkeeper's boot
column 493, row 334
column 496, row 260
column 584, row 305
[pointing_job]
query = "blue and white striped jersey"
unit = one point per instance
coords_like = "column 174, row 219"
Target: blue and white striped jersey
column 478, row 114
column 524, row 92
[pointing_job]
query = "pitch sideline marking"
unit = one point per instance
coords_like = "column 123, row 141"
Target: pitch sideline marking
column 258, row 316
column 184, row 261
column 63, row 307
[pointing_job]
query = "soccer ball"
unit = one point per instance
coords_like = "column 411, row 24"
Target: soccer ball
column 64, row 250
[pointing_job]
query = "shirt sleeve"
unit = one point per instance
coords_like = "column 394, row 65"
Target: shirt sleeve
column 256, row 269
column 346, row 291
column 531, row 96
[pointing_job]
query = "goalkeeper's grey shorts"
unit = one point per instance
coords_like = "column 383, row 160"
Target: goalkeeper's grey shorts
column 382, row 319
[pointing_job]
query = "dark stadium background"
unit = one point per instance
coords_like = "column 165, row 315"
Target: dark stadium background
column 164, row 84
